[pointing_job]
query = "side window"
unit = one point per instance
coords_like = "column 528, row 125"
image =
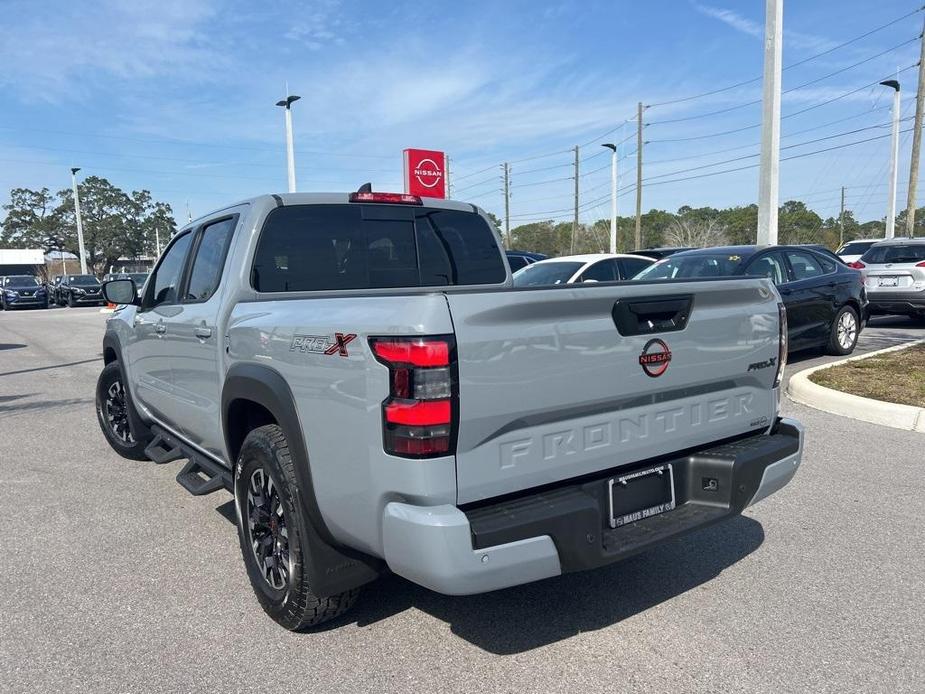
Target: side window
column 165, row 282
column 804, row 265
column 633, row 266
column 601, row 271
column 828, row 265
column 516, row 262
column 210, row 258
column 768, row 265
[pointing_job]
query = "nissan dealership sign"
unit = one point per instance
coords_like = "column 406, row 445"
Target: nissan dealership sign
column 425, row 173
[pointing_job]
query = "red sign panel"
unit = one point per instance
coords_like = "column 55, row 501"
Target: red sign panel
column 425, row 173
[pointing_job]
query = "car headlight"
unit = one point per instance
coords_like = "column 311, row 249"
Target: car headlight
column 78, row 290
column 10, row 294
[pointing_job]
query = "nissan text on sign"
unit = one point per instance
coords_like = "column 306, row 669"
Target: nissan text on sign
column 425, row 173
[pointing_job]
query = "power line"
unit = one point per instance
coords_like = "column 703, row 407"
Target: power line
column 795, row 156
column 789, row 115
column 490, row 179
column 537, row 183
column 798, row 144
column 540, row 156
column 474, row 173
column 786, row 91
column 787, row 67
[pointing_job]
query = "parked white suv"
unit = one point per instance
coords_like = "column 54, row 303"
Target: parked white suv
column 894, row 276
column 591, row 267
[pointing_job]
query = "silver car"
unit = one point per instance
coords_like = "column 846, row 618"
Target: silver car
column 894, row 276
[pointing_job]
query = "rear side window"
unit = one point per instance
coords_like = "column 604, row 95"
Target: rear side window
column 633, row 266
column 355, row 246
column 804, row 265
column 210, row 258
column 909, row 253
column 516, row 262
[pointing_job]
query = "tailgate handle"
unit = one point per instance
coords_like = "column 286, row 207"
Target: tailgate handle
column 645, row 316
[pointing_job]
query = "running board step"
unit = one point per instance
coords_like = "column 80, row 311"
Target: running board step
column 200, row 476
column 163, row 449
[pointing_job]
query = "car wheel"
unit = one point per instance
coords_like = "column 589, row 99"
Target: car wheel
column 70, row 301
column 272, row 530
column 844, row 332
column 112, row 412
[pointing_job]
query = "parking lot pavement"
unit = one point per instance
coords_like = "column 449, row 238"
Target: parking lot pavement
column 112, row 578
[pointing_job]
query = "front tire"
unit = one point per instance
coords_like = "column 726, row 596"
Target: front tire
column 272, row 530
column 846, row 329
column 112, row 413
column 70, row 301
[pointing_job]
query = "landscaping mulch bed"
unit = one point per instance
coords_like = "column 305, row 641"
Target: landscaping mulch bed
column 893, row 377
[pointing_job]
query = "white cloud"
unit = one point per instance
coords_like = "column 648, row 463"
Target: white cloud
column 797, row 39
column 67, row 51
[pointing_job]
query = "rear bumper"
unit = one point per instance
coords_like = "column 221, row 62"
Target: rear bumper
column 896, row 302
column 491, row 546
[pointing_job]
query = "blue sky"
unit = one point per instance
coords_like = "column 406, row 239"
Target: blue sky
column 177, row 96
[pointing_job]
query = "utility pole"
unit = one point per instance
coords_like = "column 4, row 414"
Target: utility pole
column 446, row 168
column 290, row 153
column 841, row 220
column 575, row 220
column 769, row 172
column 80, row 227
column 916, row 144
column 639, row 175
column 507, row 203
column 613, row 196
column 894, row 160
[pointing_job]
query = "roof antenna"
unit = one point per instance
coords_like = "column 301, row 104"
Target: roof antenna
column 365, row 188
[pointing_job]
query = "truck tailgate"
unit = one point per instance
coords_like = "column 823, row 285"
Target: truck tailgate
column 550, row 389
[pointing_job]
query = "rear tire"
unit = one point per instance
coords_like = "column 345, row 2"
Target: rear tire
column 70, row 301
column 844, row 333
column 112, row 412
column 272, row 530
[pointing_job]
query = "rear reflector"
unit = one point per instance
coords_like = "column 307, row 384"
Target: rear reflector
column 783, row 344
column 392, row 198
column 857, row 265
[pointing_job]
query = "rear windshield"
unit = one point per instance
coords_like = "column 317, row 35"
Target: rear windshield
column 356, row 246
column 855, row 247
column 545, row 273
column 686, row 266
column 912, row 253
column 85, row 280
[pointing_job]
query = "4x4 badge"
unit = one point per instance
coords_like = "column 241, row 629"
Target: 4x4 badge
column 655, row 358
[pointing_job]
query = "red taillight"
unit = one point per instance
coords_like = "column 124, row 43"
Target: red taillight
column 419, row 414
column 857, row 265
column 392, row 198
column 782, row 348
column 415, row 351
column 922, row 264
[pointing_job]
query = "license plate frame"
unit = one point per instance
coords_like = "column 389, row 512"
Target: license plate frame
column 887, row 281
column 619, row 516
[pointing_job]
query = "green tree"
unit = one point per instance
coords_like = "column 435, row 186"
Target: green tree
column 798, row 224
column 31, row 221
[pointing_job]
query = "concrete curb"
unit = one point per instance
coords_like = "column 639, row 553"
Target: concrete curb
column 890, row 414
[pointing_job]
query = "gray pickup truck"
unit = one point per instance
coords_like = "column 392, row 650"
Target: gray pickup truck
column 359, row 372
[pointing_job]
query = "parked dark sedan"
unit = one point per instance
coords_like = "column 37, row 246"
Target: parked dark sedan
column 520, row 259
column 75, row 290
column 20, row 291
column 826, row 300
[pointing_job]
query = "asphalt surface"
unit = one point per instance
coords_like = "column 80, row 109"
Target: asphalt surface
column 114, row 579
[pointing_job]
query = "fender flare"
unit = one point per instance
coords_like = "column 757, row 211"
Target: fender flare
column 331, row 567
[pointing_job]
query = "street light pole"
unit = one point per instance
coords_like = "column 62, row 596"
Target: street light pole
column 769, row 171
column 290, row 154
column 613, row 195
column 80, row 228
column 894, row 160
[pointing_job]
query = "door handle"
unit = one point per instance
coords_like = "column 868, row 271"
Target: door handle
column 160, row 327
column 202, row 332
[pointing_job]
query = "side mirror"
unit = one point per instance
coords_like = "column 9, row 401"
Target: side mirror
column 121, row 292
